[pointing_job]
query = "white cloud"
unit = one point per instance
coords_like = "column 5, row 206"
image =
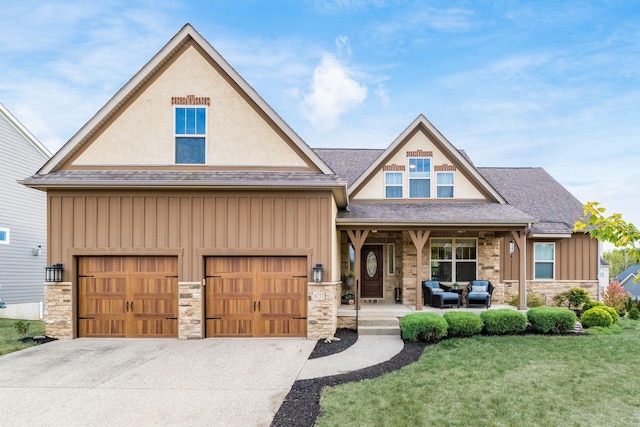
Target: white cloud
column 333, row 93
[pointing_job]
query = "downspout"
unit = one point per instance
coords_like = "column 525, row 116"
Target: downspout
column 357, row 302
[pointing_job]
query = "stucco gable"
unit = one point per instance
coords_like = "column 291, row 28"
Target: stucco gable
column 422, row 140
column 136, row 127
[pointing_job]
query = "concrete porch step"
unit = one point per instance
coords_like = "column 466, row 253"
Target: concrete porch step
column 378, row 326
column 379, row 330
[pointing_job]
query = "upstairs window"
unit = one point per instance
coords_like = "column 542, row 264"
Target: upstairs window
column 444, row 185
column 4, row 236
column 544, row 260
column 393, row 185
column 420, row 178
column 191, row 125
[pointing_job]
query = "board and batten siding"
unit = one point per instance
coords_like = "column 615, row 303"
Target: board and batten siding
column 190, row 224
column 23, row 211
column 576, row 258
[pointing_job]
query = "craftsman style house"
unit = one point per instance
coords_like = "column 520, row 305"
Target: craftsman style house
column 186, row 207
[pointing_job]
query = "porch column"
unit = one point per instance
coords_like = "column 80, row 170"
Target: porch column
column 419, row 238
column 358, row 237
column 520, row 239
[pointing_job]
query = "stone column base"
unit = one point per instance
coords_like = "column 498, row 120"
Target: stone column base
column 190, row 315
column 322, row 309
column 58, row 310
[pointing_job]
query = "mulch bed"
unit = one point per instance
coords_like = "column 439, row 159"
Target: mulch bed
column 347, row 337
column 41, row 339
column 301, row 407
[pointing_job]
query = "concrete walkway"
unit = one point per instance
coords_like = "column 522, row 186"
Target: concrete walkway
column 367, row 351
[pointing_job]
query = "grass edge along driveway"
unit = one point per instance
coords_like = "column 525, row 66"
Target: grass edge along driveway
column 10, row 339
column 530, row 380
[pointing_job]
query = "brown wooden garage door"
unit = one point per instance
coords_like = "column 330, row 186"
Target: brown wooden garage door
column 256, row 297
column 128, row 297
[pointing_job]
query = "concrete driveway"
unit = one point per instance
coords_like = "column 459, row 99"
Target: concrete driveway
column 141, row 382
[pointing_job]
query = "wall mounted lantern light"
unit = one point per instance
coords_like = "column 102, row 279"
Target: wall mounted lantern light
column 317, row 273
column 53, row 273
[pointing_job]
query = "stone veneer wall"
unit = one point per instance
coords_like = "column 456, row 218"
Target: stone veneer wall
column 190, row 310
column 322, row 313
column 58, row 310
column 488, row 263
column 546, row 289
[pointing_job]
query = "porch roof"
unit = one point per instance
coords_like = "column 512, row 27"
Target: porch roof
column 440, row 213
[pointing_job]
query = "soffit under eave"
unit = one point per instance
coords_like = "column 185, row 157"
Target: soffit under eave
column 422, row 123
column 148, row 71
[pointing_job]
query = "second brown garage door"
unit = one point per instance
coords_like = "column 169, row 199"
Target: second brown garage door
column 256, row 297
column 127, row 297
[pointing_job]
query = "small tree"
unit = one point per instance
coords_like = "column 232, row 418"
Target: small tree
column 612, row 229
column 615, row 296
column 22, row 327
column 572, row 298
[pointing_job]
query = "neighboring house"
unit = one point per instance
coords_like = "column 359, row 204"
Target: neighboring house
column 627, row 280
column 186, row 207
column 23, row 221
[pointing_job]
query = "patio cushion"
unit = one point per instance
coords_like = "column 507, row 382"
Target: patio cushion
column 480, row 282
column 431, row 284
column 449, row 295
column 477, row 295
column 479, row 288
column 437, row 290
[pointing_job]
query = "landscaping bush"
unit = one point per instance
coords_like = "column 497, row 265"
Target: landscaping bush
column 533, row 300
column 429, row 327
column 504, row 322
column 590, row 304
column 22, row 327
column 615, row 296
column 463, row 324
column 554, row 320
column 612, row 312
column 573, row 298
column 634, row 314
column 596, row 316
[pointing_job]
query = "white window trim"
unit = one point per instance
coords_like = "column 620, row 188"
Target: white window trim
column 194, row 135
column 8, row 236
column 391, row 259
column 430, row 179
column 553, row 262
column 453, row 259
column 453, row 184
column 401, row 185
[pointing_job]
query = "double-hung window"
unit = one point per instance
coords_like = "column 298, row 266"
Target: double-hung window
column 419, row 177
column 393, row 185
column 191, row 135
column 454, row 260
column 4, row 236
column 444, row 185
column 544, row 260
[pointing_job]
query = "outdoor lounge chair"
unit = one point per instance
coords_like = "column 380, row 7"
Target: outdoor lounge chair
column 479, row 293
column 438, row 295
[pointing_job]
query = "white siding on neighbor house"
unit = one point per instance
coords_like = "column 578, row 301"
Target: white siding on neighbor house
column 23, row 211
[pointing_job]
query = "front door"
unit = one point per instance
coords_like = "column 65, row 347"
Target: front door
column 371, row 272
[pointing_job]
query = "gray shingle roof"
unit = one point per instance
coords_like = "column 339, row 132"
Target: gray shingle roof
column 534, row 191
column 183, row 178
column 349, row 164
column 437, row 213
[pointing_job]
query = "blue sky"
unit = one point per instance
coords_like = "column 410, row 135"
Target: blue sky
column 543, row 83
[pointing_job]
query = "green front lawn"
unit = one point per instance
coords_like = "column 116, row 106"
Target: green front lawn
column 10, row 339
column 530, row 380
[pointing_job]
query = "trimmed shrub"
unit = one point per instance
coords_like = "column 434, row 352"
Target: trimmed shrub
column 590, row 304
column 574, row 297
column 596, row 316
column 429, row 327
column 504, row 322
column 533, row 300
column 22, row 327
column 634, row 314
column 612, row 312
column 463, row 324
column 553, row 320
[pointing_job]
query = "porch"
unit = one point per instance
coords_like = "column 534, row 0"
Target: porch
column 347, row 314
